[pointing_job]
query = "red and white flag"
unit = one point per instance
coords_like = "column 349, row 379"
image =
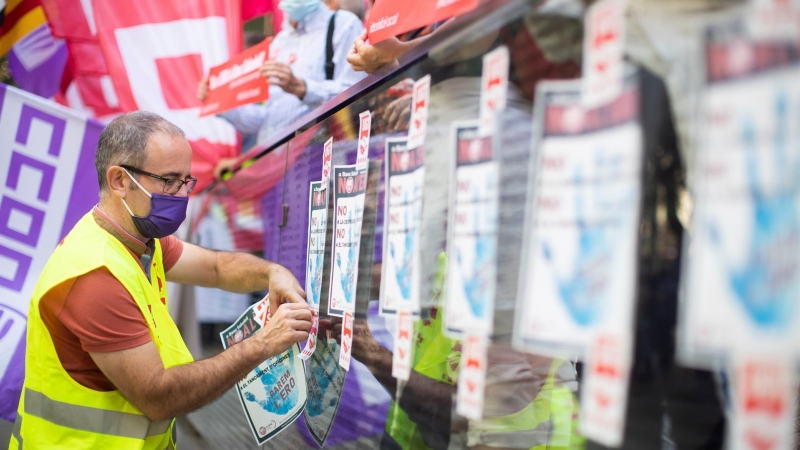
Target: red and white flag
column 157, row 51
column 86, row 85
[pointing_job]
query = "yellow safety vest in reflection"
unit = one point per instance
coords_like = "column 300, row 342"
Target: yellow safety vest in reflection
column 548, row 422
column 435, row 356
column 57, row 412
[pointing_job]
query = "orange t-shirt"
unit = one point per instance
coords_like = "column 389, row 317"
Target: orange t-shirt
column 95, row 313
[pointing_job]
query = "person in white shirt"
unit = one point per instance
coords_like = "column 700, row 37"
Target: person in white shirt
column 296, row 69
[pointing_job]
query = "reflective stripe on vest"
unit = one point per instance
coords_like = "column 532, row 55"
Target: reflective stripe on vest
column 15, row 431
column 513, row 439
column 89, row 419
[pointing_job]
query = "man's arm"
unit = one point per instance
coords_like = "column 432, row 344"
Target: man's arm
column 426, row 401
column 316, row 92
column 236, row 272
column 165, row 393
column 347, row 29
column 366, row 57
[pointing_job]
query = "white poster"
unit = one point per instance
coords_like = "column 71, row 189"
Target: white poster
column 274, row 393
column 763, row 390
column 774, row 19
column 350, row 185
column 471, row 387
column 317, row 225
column 741, row 274
column 418, row 125
column 579, row 252
column 604, row 393
column 472, row 234
column 403, row 346
column 494, row 88
column 400, row 277
column 603, row 52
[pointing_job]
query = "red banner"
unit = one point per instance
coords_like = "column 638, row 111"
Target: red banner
column 392, row 17
column 238, row 81
column 157, row 51
column 71, row 19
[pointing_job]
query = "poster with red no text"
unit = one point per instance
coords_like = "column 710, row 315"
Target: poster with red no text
column 238, row 81
column 391, row 17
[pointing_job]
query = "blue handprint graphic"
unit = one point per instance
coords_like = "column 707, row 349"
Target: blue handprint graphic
column 403, row 264
column 323, row 367
column 476, row 279
column 348, row 277
column 585, row 289
column 766, row 283
column 278, row 384
column 315, row 283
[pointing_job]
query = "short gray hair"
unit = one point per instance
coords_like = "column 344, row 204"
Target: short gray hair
column 124, row 141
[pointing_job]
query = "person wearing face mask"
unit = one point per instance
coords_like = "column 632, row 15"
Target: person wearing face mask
column 105, row 365
column 301, row 73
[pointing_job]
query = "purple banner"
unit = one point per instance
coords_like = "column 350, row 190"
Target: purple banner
column 47, row 183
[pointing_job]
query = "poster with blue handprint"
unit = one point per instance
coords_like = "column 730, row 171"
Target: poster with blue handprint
column 579, row 253
column 315, row 253
column 350, row 187
column 400, row 276
column 274, row 393
column 472, row 234
column 741, row 281
column 325, row 384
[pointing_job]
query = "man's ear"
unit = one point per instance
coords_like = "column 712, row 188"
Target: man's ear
column 115, row 176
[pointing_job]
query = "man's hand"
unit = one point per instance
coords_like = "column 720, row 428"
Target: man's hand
column 398, row 113
column 284, row 288
column 202, row 89
column 280, row 74
column 290, row 324
column 223, row 165
column 368, row 58
column 364, row 343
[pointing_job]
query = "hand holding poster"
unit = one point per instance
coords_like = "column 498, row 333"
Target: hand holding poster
column 274, row 393
column 238, row 81
column 390, row 18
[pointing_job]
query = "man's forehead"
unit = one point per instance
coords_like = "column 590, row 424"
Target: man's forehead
column 170, row 153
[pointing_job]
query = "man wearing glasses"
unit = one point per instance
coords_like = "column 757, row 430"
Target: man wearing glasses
column 105, row 364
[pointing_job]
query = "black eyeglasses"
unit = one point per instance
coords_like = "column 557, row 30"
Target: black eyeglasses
column 171, row 185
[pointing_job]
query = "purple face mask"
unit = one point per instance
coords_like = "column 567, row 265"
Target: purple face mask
column 167, row 213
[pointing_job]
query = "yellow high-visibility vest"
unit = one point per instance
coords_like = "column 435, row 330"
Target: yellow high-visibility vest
column 55, row 411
